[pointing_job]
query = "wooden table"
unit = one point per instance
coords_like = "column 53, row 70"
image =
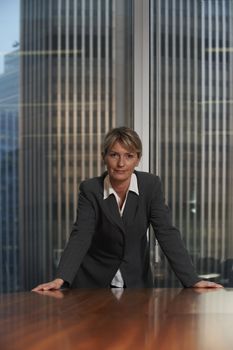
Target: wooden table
column 99, row 319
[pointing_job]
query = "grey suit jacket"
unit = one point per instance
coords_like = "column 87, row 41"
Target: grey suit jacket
column 102, row 241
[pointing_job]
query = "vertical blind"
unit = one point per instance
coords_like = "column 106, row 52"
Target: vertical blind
column 191, row 120
column 74, row 55
column 70, row 80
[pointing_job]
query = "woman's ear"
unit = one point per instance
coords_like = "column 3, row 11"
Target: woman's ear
column 103, row 157
column 138, row 161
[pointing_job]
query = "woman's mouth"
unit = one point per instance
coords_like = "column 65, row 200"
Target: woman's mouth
column 120, row 171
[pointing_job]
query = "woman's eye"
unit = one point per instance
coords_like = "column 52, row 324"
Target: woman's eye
column 113, row 155
column 130, row 156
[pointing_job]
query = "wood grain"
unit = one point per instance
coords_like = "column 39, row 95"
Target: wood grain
column 163, row 319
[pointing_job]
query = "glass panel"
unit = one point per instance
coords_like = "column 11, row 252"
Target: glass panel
column 65, row 79
column 191, row 127
column 9, row 150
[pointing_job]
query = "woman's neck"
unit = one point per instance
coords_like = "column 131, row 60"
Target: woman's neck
column 121, row 188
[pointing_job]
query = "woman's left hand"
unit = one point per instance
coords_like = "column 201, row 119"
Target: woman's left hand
column 207, row 284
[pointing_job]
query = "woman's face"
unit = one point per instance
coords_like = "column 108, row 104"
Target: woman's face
column 120, row 163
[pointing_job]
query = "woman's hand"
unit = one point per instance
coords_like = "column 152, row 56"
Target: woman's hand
column 55, row 284
column 207, row 284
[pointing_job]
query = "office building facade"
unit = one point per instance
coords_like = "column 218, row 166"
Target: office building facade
column 191, row 108
column 9, row 175
column 76, row 85
column 164, row 67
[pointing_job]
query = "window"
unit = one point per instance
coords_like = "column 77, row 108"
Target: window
column 71, row 70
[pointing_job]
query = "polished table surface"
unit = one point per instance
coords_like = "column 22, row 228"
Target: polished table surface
column 163, row 319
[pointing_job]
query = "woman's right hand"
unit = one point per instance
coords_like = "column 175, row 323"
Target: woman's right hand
column 55, row 284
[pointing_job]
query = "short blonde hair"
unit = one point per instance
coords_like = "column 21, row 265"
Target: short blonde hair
column 124, row 135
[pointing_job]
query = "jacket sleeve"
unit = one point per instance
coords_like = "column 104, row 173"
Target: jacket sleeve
column 80, row 239
column 169, row 238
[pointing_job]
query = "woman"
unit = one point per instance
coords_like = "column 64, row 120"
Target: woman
column 108, row 244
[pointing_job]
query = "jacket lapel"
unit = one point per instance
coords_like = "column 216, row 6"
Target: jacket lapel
column 111, row 210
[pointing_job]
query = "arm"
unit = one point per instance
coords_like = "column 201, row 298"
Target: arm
column 77, row 246
column 169, row 238
column 79, row 241
column 172, row 245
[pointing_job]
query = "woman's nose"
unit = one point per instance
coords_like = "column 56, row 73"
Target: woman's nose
column 121, row 161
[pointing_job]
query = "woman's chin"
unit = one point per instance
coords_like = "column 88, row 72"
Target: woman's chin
column 119, row 177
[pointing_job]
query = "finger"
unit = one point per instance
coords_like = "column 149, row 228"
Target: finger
column 216, row 285
column 50, row 286
column 38, row 288
column 213, row 285
column 44, row 286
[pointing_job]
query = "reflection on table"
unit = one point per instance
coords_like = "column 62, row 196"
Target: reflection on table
column 164, row 319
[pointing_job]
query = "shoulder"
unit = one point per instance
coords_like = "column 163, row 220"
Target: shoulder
column 148, row 184
column 94, row 184
column 147, row 178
